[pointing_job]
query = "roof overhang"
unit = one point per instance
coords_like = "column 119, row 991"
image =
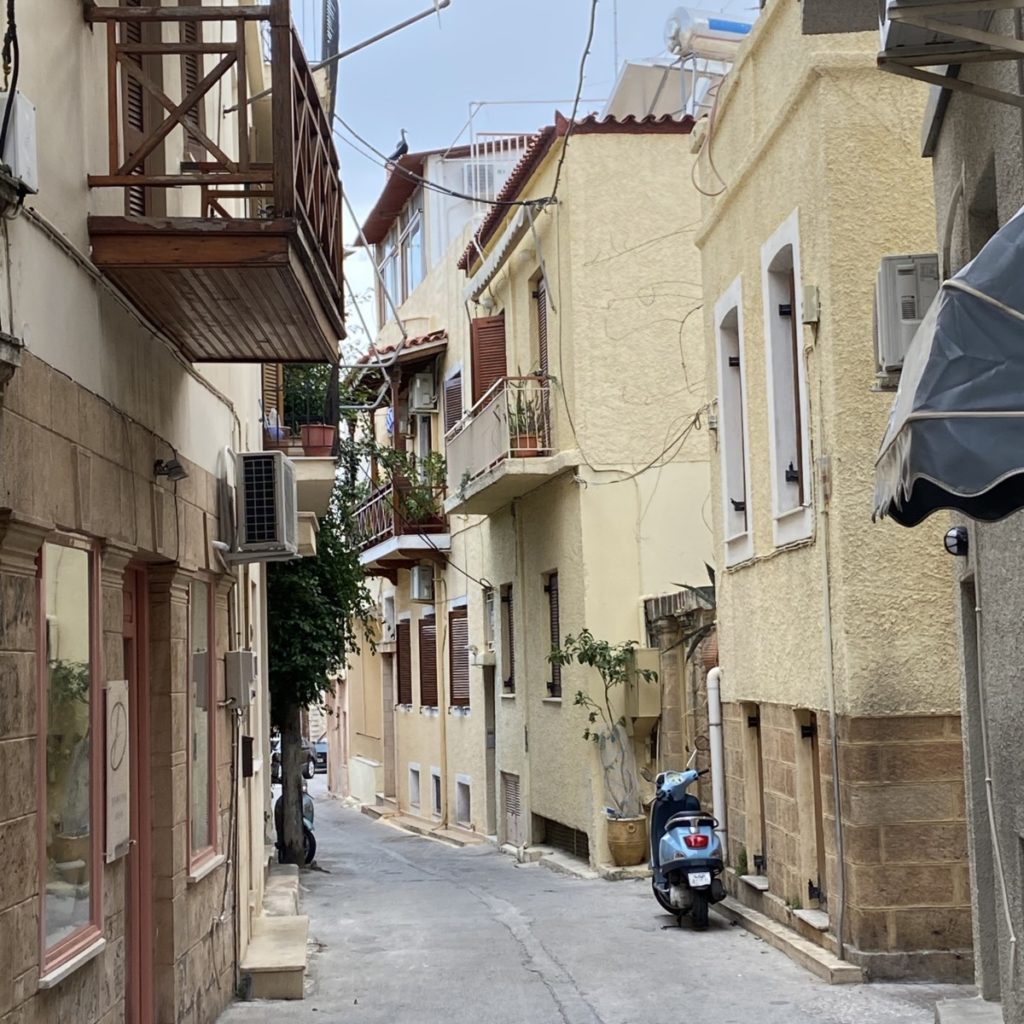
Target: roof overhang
column 955, row 438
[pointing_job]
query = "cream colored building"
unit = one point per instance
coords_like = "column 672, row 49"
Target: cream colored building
column 569, row 404
column 128, row 376
column 837, row 637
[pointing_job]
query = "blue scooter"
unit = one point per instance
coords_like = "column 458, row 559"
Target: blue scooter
column 686, row 851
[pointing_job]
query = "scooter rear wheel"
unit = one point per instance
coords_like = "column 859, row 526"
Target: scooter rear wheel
column 663, row 901
column 699, row 911
column 309, row 844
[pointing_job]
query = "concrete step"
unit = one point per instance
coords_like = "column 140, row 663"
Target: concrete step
column 968, row 1011
column 275, row 961
column 758, row 882
column 281, row 896
column 817, row 919
column 820, row 962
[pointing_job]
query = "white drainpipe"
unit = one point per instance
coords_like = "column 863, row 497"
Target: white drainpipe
column 714, row 685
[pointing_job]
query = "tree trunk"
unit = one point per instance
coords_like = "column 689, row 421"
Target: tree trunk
column 291, row 785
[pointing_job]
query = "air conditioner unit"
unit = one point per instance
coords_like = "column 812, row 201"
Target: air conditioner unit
column 906, row 287
column 240, row 677
column 421, row 583
column 266, row 508
column 423, row 394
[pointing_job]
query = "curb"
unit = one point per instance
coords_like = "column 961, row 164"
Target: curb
column 820, row 962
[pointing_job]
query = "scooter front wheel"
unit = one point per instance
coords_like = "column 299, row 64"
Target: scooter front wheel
column 699, row 910
column 663, row 901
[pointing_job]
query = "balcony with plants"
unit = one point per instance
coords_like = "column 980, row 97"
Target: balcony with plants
column 300, row 418
column 218, row 205
column 503, row 447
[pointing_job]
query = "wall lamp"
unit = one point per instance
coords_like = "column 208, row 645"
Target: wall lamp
column 170, row 468
column 956, row 541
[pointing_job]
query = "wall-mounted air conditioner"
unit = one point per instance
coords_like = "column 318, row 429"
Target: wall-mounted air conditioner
column 421, row 583
column 422, row 394
column 906, row 287
column 266, row 508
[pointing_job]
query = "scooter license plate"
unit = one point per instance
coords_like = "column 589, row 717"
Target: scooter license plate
column 699, row 878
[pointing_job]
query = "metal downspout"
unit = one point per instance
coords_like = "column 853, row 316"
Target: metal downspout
column 718, row 806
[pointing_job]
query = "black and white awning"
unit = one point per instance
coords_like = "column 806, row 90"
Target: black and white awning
column 955, row 438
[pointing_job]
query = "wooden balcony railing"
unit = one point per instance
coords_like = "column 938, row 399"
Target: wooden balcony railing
column 257, row 209
column 400, row 509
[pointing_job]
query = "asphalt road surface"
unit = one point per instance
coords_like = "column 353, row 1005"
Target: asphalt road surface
column 404, row 928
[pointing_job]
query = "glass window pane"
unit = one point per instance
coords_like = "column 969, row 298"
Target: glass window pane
column 66, row 584
column 414, row 256
column 200, row 688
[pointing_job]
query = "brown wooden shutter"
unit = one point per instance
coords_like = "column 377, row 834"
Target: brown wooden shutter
column 428, row 663
column 487, row 351
column 191, row 67
column 555, row 686
column 542, row 325
column 273, row 391
column 404, row 647
column 134, row 114
column 452, row 401
column 458, row 656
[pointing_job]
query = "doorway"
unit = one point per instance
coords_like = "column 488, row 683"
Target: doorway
column 139, row 902
column 389, row 699
column 490, row 744
column 811, row 841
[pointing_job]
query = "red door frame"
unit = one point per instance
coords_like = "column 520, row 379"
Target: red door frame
column 139, row 906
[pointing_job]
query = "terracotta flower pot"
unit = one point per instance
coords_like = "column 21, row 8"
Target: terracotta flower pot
column 317, row 439
column 525, row 446
column 627, row 841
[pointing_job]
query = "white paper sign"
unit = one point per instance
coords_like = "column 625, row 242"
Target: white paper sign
column 118, row 747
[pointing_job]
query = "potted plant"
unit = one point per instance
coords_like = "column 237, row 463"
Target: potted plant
column 525, row 421
column 310, row 402
column 627, row 827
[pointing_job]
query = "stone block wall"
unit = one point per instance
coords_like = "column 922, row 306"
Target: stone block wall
column 72, row 462
column 907, row 906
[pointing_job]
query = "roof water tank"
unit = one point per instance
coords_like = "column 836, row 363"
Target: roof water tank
column 704, row 34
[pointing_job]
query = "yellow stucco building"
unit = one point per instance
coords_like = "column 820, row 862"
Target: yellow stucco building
column 837, row 640
column 569, row 409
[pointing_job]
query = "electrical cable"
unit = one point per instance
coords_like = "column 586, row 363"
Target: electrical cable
column 10, row 53
column 396, row 168
column 576, row 101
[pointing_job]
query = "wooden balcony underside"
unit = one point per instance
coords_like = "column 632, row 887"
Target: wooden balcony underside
column 225, row 290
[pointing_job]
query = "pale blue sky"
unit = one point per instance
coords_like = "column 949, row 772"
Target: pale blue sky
column 424, row 77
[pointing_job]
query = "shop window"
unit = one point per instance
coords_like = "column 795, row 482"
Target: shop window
column 70, row 721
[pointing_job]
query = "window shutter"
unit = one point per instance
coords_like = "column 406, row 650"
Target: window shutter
column 542, row 325
column 134, row 115
column 458, row 649
column 510, row 679
column 273, row 391
column 428, row 663
column 452, row 401
column 404, row 662
column 487, row 350
column 555, row 686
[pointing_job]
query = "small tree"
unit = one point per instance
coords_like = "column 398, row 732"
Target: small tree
column 615, row 665
column 315, row 607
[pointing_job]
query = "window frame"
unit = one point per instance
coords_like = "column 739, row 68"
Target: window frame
column 794, row 522
column 53, row 958
column 201, row 856
column 554, row 682
column 739, row 546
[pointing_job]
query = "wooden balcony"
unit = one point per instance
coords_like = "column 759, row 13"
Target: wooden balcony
column 397, row 529
column 236, row 253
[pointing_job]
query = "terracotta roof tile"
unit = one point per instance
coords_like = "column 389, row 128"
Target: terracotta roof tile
column 420, row 341
column 538, row 149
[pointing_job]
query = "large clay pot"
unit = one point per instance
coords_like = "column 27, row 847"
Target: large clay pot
column 627, row 840
column 317, row 439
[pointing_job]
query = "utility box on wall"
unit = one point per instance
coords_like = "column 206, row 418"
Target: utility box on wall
column 643, row 698
column 240, row 674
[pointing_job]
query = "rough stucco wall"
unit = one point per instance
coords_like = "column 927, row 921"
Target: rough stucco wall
column 835, row 144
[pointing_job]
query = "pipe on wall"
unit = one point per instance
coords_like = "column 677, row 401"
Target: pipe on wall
column 714, row 687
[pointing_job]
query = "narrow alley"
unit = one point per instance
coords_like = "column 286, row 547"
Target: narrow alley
column 405, row 928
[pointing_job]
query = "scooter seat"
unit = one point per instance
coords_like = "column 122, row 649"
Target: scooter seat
column 689, row 818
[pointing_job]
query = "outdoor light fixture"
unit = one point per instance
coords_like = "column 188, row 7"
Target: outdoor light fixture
column 170, row 468
column 956, row 541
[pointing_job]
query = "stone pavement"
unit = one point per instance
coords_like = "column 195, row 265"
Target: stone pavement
column 405, row 928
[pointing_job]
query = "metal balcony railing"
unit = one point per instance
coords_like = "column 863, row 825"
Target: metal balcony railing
column 400, row 509
column 511, row 421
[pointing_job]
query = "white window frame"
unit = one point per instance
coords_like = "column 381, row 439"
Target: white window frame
column 790, row 523
column 739, row 544
column 414, row 770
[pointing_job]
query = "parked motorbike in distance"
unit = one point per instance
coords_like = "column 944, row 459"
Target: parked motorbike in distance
column 308, row 838
column 686, row 851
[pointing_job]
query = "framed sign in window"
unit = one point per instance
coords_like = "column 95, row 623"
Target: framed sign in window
column 118, row 779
